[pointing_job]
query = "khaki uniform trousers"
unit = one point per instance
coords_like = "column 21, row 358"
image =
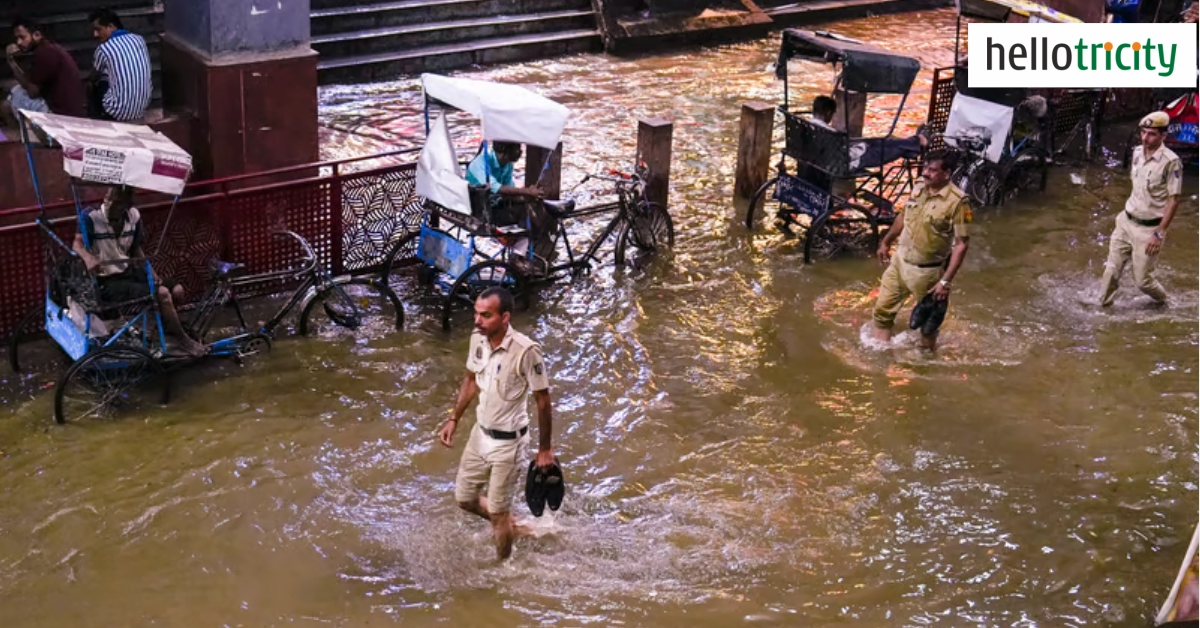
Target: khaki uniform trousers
column 494, row 464
column 1128, row 242
column 899, row 281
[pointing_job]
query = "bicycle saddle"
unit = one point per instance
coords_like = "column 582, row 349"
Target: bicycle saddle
column 226, row 270
column 558, row 209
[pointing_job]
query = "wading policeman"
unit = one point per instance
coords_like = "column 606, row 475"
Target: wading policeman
column 934, row 236
column 503, row 366
column 1141, row 229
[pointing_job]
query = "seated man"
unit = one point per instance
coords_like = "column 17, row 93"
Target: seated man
column 53, row 83
column 115, row 233
column 871, row 152
column 510, row 204
column 121, row 77
column 823, row 108
column 494, row 168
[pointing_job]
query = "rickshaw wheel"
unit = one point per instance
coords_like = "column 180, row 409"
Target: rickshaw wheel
column 1026, row 170
column 846, row 229
column 650, row 231
column 759, row 200
column 352, row 303
column 478, row 278
column 20, row 350
column 402, row 263
column 255, row 344
column 108, row 380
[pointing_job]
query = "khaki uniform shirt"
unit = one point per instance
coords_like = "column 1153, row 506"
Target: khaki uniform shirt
column 1154, row 179
column 931, row 222
column 504, row 376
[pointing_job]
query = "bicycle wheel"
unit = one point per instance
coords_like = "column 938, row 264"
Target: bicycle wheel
column 763, row 201
column 107, row 381
column 983, row 182
column 851, row 229
column 478, row 278
column 1026, row 171
column 650, row 232
column 352, row 303
column 32, row 350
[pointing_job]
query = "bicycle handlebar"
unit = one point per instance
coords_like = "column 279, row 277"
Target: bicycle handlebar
column 310, row 256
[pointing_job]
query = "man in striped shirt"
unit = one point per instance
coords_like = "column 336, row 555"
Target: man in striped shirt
column 122, row 70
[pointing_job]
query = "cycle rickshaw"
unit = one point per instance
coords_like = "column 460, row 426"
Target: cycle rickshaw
column 1183, row 109
column 119, row 350
column 840, row 189
column 467, row 243
column 1008, row 136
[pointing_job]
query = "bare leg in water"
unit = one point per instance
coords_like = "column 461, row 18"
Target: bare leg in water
column 504, row 529
column 171, row 321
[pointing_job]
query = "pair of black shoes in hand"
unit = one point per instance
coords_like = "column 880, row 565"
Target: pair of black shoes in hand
column 928, row 315
column 544, row 487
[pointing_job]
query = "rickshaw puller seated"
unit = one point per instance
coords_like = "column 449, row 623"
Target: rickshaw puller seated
column 871, row 152
column 115, row 232
column 510, row 205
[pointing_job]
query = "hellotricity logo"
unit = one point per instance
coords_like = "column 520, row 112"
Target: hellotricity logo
column 1082, row 55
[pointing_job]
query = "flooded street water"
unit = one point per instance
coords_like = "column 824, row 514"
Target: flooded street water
column 734, row 455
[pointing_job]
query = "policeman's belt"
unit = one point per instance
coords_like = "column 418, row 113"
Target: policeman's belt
column 1153, row 222
column 502, row 435
column 929, row 265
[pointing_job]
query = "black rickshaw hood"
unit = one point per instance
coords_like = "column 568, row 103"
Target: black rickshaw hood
column 865, row 68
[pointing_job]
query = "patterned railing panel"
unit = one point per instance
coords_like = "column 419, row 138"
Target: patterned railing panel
column 192, row 239
column 378, row 207
column 253, row 217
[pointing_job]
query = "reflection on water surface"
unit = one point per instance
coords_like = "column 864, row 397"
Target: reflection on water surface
column 735, row 455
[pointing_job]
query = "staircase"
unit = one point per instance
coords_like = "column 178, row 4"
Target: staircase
column 373, row 40
column 794, row 12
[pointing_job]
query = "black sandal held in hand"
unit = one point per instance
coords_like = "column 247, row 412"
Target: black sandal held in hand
column 556, row 487
column 544, row 487
column 928, row 314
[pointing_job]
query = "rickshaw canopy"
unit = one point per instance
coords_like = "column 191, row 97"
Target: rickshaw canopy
column 508, row 113
column 999, row 10
column 113, row 153
column 439, row 176
column 865, row 68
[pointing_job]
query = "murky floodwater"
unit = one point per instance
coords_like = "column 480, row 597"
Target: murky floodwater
column 735, row 456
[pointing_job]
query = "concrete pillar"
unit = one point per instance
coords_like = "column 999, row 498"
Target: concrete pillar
column 245, row 71
column 654, row 148
column 754, row 152
column 535, row 157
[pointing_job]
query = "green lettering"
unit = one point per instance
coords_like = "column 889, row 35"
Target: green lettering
column 1079, row 48
column 1149, row 57
column 1169, row 66
column 1120, row 64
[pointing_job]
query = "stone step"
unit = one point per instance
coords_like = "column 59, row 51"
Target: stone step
column 407, row 37
column 823, row 10
column 385, row 66
column 375, row 15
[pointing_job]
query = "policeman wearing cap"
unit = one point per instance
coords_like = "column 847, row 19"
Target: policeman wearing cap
column 1157, row 175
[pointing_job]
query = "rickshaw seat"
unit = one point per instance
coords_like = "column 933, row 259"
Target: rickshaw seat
column 226, row 270
column 559, row 209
